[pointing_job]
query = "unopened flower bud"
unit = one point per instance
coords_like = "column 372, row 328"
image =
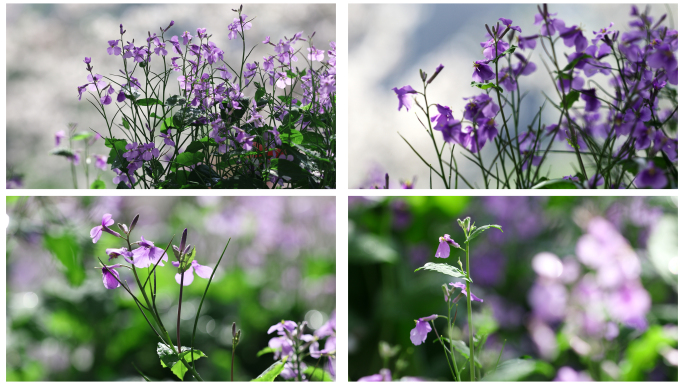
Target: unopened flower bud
column 234, row 329
column 422, row 74
column 437, row 71
column 184, row 238
column 122, row 227
column 134, row 222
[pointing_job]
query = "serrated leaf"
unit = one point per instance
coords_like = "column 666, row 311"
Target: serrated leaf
column 265, row 351
column 271, row 372
column 485, row 86
column 148, row 101
column 445, row 269
column 317, row 374
column 481, row 229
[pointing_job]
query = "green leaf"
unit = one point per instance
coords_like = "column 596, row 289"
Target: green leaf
column 259, row 93
column 171, row 359
column 557, row 184
column 461, row 347
column 187, row 263
column 125, row 123
column 481, row 229
column 195, row 146
column 187, row 159
column 571, row 65
column 66, row 152
column 292, row 137
column 67, row 250
column 148, row 101
column 518, row 369
column 167, row 124
column 175, row 100
column 265, row 351
column 446, row 269
column 271, row 372
column 110, row 143
column 570, row 99
column 486, row 86
column 317, row 374
column 509, row 50
column 82, row 136
column 98, row 184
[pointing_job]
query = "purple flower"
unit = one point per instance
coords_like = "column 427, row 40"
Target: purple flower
column 167, row 139
column 483, row 71
column 569, row 374
column 96, row 232
column 87, row 60
column 403, row 95
column 420, row 332
column 113, row 253
column 384, row 375
column 315, row 54
column 592, row 102
column 443, row 248
column 663, row 57
column 186, row 37
column 509, row 23
column 110, row 279
column 59, row 136
column 489, row 52
column 101, row 162
column 651, row 177
column 464, row 291
column 114, row 48
column 147, row 254
column 572, row 36
column 527, row 42
column 201, row 270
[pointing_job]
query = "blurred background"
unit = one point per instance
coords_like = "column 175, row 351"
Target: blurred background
column 62, row 324
column 579, row 287
column 46, row 45
column 389, row 43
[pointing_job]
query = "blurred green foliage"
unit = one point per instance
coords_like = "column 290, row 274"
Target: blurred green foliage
column 62, row 324
column 390, row 237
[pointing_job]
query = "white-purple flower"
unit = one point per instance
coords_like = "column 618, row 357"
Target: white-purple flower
column 464, row 291
column 201, row 270
column 443, row 248
column 96, row 232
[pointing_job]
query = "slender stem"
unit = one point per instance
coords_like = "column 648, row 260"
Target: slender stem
column 470, row 316
column 180, row 301
column 454, row 369
column 232, row 361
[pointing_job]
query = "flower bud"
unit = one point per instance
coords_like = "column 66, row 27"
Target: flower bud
column 122, row 227
column 184, row 238
column 134, row 222
column 437, row 71
column 234, row 330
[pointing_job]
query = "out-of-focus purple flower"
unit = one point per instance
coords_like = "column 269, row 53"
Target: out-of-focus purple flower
column 315, row 54
column 651, row 177
column 548, row 300
column 384, row 375
column 445, row 123
column 572, row 36
column 167, row 139
column 483, row 71
column 101, row 162
column 147, row 254
column 201, row 270
column 464, row 292
column 96, row 232
column 569, row 374
column 527, row 42
column 403, row 95
column 630, row 304
column 59, row 136
column 592, row 102
column 420, row 332
column 108, row 279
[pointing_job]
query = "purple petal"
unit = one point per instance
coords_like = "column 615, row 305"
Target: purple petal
column 442, row 250
column 187, row 280
column 202, row 270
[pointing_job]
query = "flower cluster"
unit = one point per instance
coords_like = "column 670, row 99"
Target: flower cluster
column 591, row 305
column 213, row 100
column 293, row 343
column 145, row 255
column 629, row 128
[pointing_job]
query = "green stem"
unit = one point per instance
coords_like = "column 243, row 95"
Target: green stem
column 470, row 316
